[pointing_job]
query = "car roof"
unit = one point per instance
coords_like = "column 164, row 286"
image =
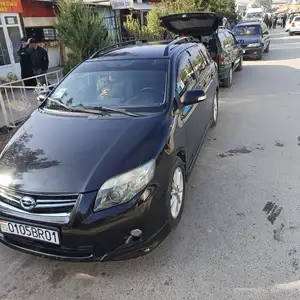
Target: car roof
column 153, row 50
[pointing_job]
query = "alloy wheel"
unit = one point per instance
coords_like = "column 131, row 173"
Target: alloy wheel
column 176, row 193
column 215, row 108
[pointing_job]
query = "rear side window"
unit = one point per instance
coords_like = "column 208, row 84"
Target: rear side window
column 198, row 61
column 297, row 19
column 206, row 54
column 185, row 74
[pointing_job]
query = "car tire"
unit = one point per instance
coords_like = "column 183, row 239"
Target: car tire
column 227, row 82
column 176, row 193
column 240, row 65
column 267, row 50
column 259, row 56
column 215, row 110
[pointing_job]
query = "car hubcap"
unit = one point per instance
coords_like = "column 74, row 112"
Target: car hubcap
column 176, row 193
column 215, row 108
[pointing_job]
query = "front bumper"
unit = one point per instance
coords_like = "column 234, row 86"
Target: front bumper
column 252, row 52
column 102, row 235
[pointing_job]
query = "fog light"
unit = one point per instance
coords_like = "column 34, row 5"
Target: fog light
column 136, row 233
column 145, row 195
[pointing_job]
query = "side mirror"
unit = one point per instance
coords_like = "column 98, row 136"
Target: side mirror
column 43, row 95
column 193, row 97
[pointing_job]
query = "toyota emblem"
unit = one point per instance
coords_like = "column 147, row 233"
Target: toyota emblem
column 27, row 203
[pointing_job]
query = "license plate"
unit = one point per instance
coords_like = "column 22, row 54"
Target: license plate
column 32, row 232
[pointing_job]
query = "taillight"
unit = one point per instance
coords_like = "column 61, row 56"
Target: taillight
column 221, row 59
column 293, row 24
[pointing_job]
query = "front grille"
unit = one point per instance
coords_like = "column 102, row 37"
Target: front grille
column 45, row 204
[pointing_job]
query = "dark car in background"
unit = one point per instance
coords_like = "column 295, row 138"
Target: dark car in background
column 254, row 38
column 221, row 43
column 99, row 170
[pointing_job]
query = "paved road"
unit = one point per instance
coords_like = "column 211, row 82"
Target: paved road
column 239, row 236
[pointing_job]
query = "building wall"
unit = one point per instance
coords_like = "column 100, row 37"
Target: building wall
column 37, row 9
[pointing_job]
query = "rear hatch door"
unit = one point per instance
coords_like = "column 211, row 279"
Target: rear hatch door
column 192, row 24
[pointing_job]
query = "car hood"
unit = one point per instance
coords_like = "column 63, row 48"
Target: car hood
column 192, row 24
column 71, row 154
column 246, row 40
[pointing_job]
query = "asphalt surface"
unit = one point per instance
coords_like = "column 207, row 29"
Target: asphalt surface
column 239, row 235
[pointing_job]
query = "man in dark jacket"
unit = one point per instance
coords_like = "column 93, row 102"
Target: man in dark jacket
column 39, row 60
column 25, row 62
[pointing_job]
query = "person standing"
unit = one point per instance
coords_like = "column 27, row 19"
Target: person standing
column 284, row 20
column 25, row 62
column 275, row 22
column 39, row 60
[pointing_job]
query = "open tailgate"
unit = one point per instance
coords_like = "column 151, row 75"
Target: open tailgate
column 192, row 24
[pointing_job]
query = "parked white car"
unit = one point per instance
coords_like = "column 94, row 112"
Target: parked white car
column 289, row 21
column 295, row 25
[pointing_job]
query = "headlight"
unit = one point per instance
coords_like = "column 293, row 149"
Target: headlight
column 124, row 187
column 254, row 45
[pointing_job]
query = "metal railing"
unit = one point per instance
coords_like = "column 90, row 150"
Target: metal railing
column 18, row 101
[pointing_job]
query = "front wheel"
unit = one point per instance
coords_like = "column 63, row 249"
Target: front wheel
column 259, row 56
column 227, row 82
column 215, row 110
column 176, row 193
column 240, row 66
column 267, row 50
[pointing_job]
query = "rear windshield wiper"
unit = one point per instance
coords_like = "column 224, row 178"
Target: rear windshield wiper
column 117, row 110
column 74, row 109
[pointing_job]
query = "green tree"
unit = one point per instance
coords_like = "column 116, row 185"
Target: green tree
column 226, row 8
column 153, row 30
column 80, row 30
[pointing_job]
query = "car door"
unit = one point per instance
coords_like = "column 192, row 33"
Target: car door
column 192, row 116
column 211, row 86
column 230, row 48
column 237, row 51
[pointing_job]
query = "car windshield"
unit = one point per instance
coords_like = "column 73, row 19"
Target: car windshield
column 253, row 16
column 244, row 30
column 119, row 83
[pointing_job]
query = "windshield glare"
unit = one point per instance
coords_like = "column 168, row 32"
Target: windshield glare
column 126, row 83
column 247, row 30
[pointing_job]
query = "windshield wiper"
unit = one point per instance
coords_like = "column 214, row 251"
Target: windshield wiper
column 117, row 110
column 74, row 109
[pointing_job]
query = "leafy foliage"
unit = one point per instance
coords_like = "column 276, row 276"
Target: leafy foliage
column 80, row 30
column 154, row 30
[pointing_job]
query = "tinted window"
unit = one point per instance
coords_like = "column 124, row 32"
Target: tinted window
column 222, row 39
column 230, row 39
column 206, row 55
column 244, row 30
column 198, row 61
column 185, row 74
column 297, row 19
column 127, row 83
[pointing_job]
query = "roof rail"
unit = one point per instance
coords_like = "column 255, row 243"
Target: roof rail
column 116, row 46
column 178, row 40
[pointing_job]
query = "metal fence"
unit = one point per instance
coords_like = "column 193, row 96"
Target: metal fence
column 18, row 101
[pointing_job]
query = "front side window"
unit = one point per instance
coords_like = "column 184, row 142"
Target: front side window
column 119, row 83
column 247, row 30
column 185, row 74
